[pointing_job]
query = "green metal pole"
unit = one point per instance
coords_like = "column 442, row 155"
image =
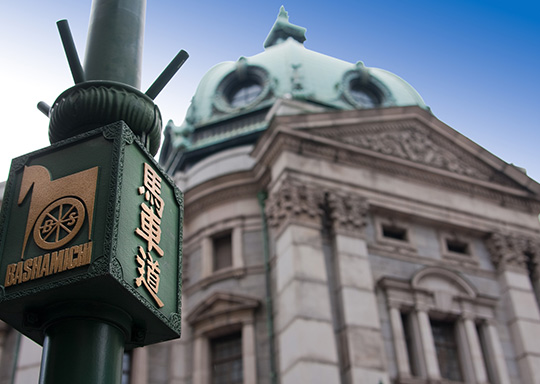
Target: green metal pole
column 84, row 344
column 115, row 41
column 82, row 351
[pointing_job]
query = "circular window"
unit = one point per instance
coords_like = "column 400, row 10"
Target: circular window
column 363, row 91
column 244, row 93
column 364, row 95
column 241, row 88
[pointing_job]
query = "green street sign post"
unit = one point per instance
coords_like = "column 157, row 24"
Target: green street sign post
column 91, row 252
column 91, row 227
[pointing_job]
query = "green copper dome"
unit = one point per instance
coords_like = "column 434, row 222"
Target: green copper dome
column 286, row 69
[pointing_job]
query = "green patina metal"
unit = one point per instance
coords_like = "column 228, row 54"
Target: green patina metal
column 103, row 345
column 283, row 29
column 94, row 104
column 290, row 71
column 91, row 227
column 107, row 89
column 110, row 250
column 115, row 41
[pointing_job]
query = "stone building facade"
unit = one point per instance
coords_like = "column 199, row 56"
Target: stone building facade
column 337, row 232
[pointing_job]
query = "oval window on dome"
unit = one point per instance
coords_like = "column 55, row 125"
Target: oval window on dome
column 244, row 87
column 244, row 93
column 363, row 94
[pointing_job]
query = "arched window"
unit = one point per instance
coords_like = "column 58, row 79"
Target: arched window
column 443, row 329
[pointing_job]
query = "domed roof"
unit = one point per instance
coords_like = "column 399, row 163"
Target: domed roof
column 286, row 69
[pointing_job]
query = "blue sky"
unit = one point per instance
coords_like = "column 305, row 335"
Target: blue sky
column 475, row 63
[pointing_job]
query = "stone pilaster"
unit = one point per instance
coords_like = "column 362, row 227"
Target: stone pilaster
column 509, row 254
column 303, row 321
column 496, row 361
column 295, row 202
column 475, row 366
column 361, row 326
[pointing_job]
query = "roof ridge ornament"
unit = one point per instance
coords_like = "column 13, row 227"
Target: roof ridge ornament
column 283, row 29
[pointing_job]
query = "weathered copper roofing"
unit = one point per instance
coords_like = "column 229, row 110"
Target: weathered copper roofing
column 284, row 70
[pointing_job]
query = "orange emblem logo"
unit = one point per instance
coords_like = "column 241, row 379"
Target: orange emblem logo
column 58, row 207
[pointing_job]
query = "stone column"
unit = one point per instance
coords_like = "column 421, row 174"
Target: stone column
column 429, row 354
column 470, row 351
column 508, row 256
column 475, row 350
column 361, row 328
column 249, row 360
column 417, row 344
column 305, row 339
column 400, row 345
column 496, row 361
column 179, row 369
column 139, row 366
column 201, row 363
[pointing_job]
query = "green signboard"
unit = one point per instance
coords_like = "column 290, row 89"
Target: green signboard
column 92, row 219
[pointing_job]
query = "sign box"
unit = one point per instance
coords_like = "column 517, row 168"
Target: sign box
column 92, row 219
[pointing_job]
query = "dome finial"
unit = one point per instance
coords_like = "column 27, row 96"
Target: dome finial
column 283, row 29
column 283, row 13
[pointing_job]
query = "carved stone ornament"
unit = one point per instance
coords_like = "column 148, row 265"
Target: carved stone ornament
column 514, row 251
column 295, row 201
column 348, row 212
column 414, row 145
column 306, row 203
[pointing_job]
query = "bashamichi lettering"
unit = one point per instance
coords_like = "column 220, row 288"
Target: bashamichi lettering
column 48, row 264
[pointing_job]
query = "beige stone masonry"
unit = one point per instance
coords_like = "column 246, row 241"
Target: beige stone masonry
column 305, row 336
column 361, row 318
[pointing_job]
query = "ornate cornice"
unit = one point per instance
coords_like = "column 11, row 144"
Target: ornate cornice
column 491, row 189
column 407, row 144
column 515, row 252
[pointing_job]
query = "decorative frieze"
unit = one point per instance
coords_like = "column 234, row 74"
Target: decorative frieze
column 414, row 145
column 514, row 251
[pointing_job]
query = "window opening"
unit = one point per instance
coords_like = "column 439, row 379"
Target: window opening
column 444, row 337
column 457, row 246
column 485, row 354
column 394, row 232
column 222, row 251
column 226, row 359
column 244, row 93
column 362, row 94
